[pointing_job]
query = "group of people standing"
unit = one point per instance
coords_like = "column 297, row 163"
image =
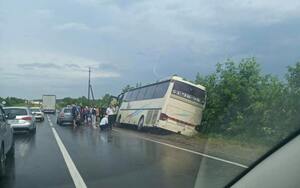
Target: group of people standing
column 90, row 115
column 86, row 115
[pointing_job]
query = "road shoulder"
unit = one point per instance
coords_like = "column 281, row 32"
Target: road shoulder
column 220, row 148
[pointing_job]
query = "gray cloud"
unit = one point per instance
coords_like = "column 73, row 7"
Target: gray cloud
column 72, row 26
column 108, row 67
column 72, row 65
column 39, row 66
column 144, row 40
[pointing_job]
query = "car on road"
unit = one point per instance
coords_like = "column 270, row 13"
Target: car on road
column 38, row 114
column 24, row 120
column 65, row 116
column 6, row 140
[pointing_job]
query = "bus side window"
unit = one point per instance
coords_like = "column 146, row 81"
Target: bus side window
column 125, row 99
column 146, row 89
column 161, row 90
column 134, row 94
column 150, row 92
column 141, row 94
column 128, row 95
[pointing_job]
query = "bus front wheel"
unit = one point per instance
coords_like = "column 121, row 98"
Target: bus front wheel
column 140, row 124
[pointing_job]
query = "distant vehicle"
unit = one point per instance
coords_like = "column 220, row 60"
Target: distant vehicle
column 65, row 116
column 37, row 112
column 6, row 139
column 173, row 104
column 49, row 104
column 24, row 120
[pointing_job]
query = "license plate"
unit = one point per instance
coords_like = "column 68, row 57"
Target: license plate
column 14, row 121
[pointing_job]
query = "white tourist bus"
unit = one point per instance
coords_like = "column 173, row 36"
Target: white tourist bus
column 173, row 104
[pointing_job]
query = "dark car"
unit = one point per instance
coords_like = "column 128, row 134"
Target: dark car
column 6, row 140
column 65, row 116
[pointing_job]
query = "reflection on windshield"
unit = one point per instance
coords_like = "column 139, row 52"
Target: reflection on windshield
column 144, row 93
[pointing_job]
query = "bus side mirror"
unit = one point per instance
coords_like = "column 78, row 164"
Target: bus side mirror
column 120, row 97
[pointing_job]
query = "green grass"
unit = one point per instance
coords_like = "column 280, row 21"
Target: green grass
column 243, row 139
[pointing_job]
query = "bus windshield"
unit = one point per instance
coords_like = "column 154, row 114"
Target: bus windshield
column 189, row 92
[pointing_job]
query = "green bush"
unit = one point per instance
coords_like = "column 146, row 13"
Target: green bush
column 243, row 102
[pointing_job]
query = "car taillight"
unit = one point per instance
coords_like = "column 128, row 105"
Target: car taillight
column 163, row 116
column 27, row 118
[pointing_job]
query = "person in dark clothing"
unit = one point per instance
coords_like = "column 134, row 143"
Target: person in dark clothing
column 74, row 114
column 94, row 113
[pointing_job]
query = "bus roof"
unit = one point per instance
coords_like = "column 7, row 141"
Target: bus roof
column 177, row 78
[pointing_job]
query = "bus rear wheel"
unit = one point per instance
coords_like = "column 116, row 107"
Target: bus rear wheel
column 140, row 124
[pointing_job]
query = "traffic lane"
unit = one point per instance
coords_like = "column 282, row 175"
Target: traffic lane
column 38, row 161
column 114, row 159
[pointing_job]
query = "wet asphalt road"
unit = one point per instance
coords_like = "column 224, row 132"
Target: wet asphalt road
column 108, row 159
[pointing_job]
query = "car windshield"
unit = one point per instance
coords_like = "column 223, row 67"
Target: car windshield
column 135, row 93
column 16, row 111
column 67, row 110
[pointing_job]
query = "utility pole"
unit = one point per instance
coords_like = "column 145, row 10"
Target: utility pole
column 89, row 86
column 90, row 89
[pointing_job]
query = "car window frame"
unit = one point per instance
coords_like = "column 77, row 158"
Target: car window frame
column 279, row 145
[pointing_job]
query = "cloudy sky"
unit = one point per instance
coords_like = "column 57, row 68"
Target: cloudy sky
column 46, row 46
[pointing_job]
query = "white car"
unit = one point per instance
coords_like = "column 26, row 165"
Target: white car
column 24, row 120
column 6, row 140
column 37, row 112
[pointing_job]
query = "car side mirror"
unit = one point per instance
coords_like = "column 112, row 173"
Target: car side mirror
column 10, row 116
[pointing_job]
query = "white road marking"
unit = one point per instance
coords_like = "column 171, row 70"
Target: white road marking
column 77, row 179
column 191, row 151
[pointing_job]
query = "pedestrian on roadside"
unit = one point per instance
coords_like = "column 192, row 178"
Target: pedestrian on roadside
column 109, row 110
column 110, row 113
column 74, row 114
column 104, row 123
column 94, row 116
column 81, row 114
column 89, row 115
column 86, row 115
column 78, row 115
column 97, row 114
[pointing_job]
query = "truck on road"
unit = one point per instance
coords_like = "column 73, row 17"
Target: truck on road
column 49, row 103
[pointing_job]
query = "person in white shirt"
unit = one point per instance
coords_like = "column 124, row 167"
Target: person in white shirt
column 104, row 122
column 109, row 111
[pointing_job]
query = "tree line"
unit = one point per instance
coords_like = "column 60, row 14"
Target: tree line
column 83, row 101
column 102, row 102
column 243, row 102
column 13, row 101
